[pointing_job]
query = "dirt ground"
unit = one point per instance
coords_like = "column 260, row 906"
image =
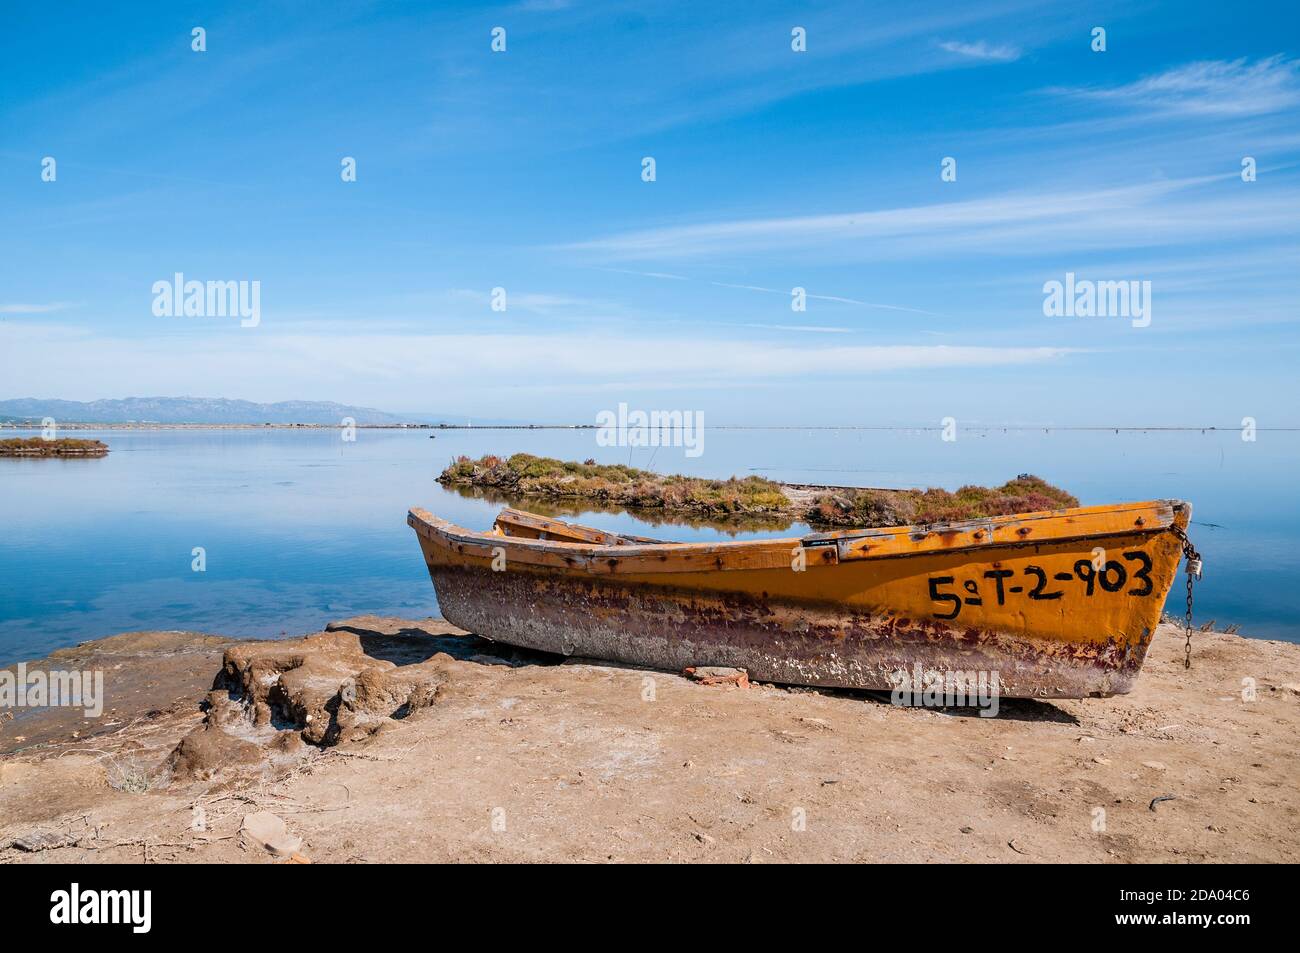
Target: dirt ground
column 527, row 758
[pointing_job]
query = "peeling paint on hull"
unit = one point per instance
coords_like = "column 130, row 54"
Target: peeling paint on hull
column 788, row 644
column 849, row 624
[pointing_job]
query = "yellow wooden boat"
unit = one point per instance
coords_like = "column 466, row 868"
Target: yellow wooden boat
column 1059, row 604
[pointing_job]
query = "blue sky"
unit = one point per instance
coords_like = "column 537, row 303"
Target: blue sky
column 775, row 169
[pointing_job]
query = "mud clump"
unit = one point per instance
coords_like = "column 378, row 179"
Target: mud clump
column 273, row 699
column 327, row 686
column 206, row 750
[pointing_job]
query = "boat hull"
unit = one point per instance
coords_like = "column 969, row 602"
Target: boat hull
column 839, row 610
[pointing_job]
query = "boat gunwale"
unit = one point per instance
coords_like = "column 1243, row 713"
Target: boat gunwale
column 831, row 548
column 983, row 522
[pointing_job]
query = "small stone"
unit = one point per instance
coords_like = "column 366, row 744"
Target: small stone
column 718, row 675
column 1154, row 765
column 1100, row 760
column 36, row 841
column 269, row 832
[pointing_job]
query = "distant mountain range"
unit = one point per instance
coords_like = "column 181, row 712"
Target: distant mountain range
column 195, row 410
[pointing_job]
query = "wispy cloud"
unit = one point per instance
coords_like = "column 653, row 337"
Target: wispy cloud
column 377, row 366
column 535, row 302
column 742, row 65
column 1027, row 222
column 981, row 50
column 647, row 274
column 802, row 328
column 818, row 297
column 1208, row 88
column 33, row 308
column 838, row 299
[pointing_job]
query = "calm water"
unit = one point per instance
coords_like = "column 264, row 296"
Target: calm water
column 301, row 528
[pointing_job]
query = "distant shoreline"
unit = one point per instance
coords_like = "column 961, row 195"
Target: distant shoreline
column 62, row 425
column 971, row 428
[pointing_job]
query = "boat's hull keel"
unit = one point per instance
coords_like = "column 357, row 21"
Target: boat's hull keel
column 800, row 643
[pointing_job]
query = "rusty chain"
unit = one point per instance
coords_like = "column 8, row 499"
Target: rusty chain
column 1192, row 570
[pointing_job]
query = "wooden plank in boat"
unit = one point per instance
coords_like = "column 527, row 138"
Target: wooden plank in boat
column 522, row 524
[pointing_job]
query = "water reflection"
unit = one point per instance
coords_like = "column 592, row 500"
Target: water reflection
column 301, row 528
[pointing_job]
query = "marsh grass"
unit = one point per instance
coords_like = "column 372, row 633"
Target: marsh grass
column 525, row 475
column 39, row 447
column 870, row 507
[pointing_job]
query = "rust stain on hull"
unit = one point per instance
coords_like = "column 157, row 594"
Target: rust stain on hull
column 850, row 624
column 789, row 644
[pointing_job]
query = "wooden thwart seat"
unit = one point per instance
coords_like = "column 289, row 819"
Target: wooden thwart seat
column 518, row 523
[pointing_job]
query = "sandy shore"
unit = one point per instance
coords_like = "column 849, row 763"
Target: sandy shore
column 520, row 757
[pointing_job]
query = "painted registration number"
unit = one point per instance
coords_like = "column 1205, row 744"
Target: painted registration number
column 1132, row 576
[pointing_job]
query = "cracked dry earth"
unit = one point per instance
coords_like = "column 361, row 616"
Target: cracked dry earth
column 426, row 744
